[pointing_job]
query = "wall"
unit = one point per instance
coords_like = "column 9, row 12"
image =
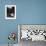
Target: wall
column 6, row 26
column 31, row 11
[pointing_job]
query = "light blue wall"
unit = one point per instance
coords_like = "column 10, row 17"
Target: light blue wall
column 6, row 26
column 31, row 11
column 27, row 12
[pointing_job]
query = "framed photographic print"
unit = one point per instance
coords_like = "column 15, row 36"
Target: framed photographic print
column 33, row 32
column 10, row 11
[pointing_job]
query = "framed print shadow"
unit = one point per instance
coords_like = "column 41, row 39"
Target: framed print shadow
column 10, row 11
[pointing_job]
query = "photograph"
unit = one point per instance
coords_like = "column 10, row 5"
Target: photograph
column 28, row 33
column 10, row 11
